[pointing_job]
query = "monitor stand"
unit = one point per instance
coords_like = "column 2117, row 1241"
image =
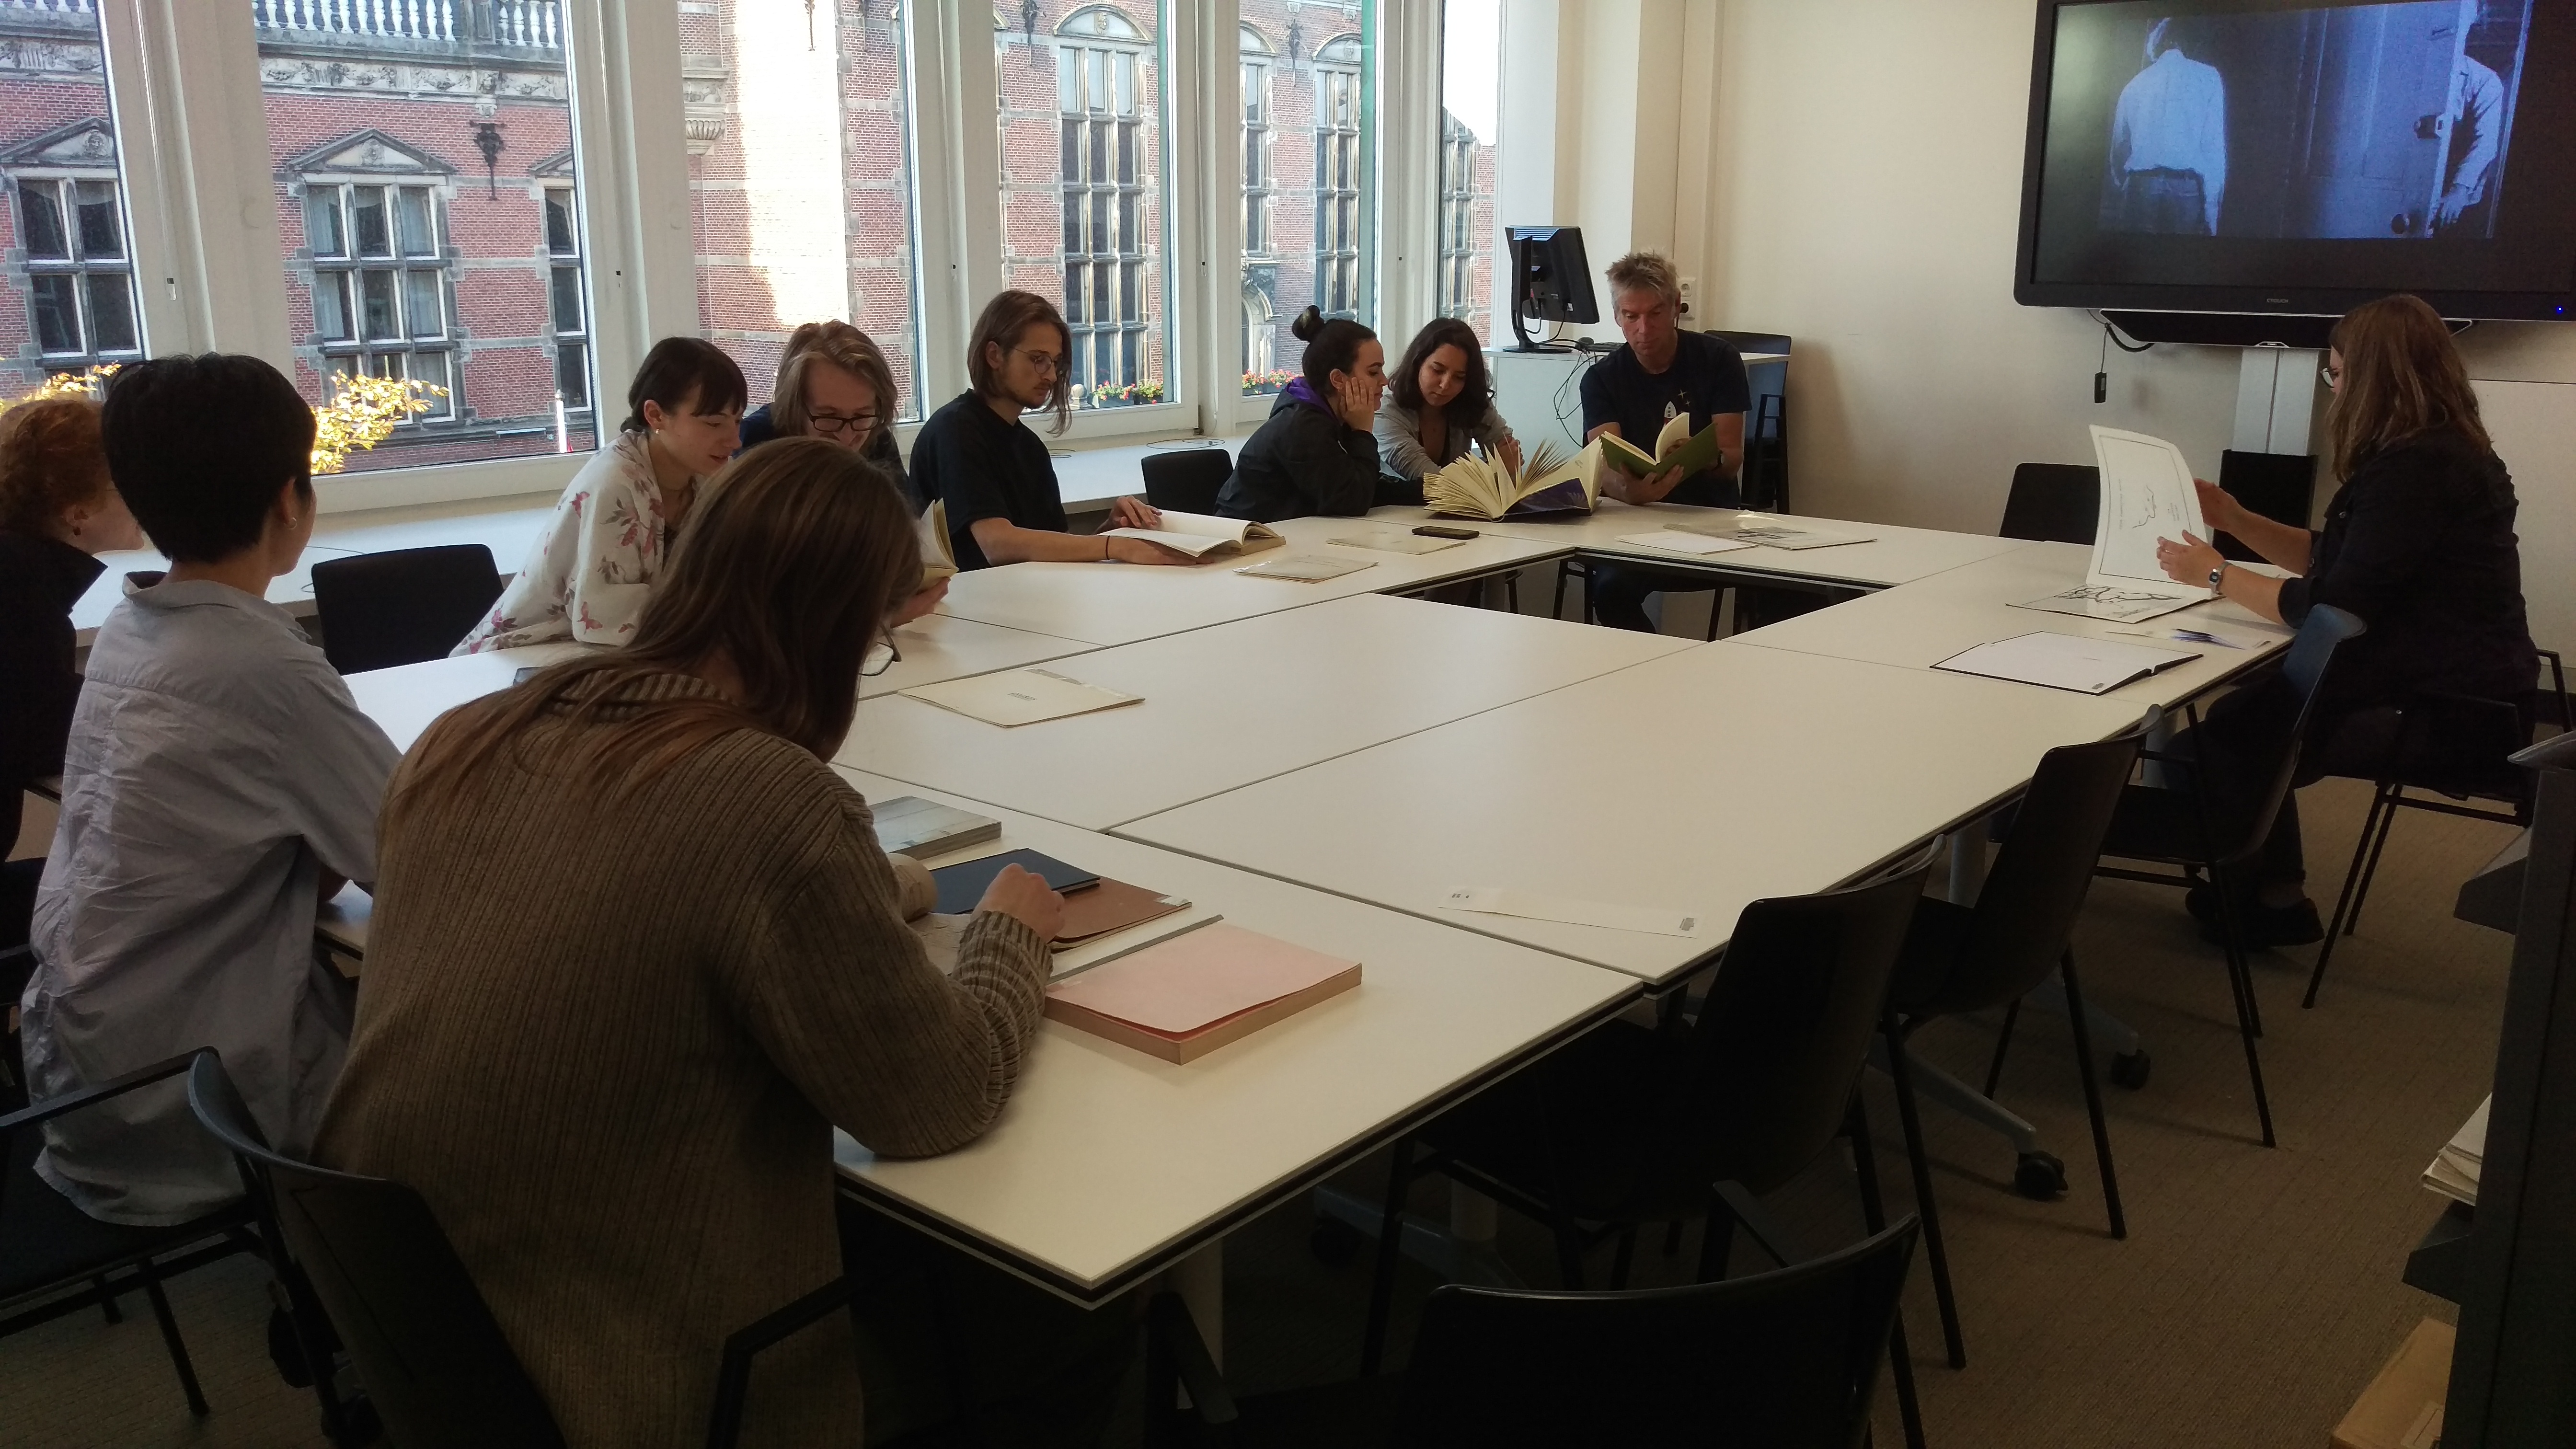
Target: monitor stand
column 1520, row 329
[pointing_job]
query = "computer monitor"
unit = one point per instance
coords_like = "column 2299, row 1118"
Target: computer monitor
column 1551, row 280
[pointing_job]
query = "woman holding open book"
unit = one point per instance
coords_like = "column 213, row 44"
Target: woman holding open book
column 1316, row 454
column 1443, row 404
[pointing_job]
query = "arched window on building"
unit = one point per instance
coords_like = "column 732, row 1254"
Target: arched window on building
column 1101, row 76
column 1340, row 161
column 378, row 264
column 78, row 268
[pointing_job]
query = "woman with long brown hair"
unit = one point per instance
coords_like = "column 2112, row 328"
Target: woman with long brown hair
column 2418, row 543
column 635, row 954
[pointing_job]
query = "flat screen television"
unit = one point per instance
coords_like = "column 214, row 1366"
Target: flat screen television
column 2300, row 157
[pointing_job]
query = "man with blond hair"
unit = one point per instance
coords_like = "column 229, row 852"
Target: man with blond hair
column 1662, row 373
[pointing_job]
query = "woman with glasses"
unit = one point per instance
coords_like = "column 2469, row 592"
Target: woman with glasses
column 2418, row 543
column 729, row 983
column 993, row 471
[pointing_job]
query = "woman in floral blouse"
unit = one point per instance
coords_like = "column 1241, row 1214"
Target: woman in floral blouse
column 610, row 538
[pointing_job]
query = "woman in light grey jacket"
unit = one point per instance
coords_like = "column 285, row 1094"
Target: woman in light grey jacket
column 1442, row 402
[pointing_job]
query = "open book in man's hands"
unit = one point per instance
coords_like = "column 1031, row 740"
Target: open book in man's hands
column 1202, row 535
column 1675, row 447
column 1548, row 482
column 937, row 561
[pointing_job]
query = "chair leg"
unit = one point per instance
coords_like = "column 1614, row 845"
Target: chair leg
column 1924, row 1202
column 170, row 1339
column 1512, row 589
column 1716, row 607
column 107, row 1301
column 1873, row 1216
column 1390, row 1247
column 2387, row 820
column 1672, row 1237
column 2240, row 978
column 1626, row 1256
column 1716, row 1241
column 2003, row 1040
column 2345, row 905
column 2092, row 1094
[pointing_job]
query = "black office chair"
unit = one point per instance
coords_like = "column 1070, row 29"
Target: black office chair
column 1786, row 1359
column 2185, row 826
column 1187, row 479
column 2053, row 503
column 378, row 610
column 56, row 1260
column 1766, row 426
column 370, row 1254
column 2443, row 744
column 1959, row 959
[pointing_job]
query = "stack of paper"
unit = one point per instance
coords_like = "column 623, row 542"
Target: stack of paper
column 1014, row 697
column 2064, row 661
column 910, row 825
column 1183, row 998
column 2454, row 1170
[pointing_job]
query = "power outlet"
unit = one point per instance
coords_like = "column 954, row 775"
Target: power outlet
column 1690, row 296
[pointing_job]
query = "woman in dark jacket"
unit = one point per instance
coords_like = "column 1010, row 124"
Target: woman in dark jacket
column 1316, row 454
column 2418, row 544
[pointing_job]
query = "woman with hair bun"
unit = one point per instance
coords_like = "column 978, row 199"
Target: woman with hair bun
column 1317, row 454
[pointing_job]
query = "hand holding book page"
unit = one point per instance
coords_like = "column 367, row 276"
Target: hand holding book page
column 2147, row 495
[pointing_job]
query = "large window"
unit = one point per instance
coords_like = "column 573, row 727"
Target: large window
column 566, row 306
column 1081, row 158
column 1341, row 181
column 1308, row 167
column 69, row 301
column 1470, row 126
column 416, row 148
column 799, row 127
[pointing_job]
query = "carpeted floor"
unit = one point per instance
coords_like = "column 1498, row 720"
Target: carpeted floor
column 2257, row 1293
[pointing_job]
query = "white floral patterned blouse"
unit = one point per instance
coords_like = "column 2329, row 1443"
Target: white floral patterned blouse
column 589, row 574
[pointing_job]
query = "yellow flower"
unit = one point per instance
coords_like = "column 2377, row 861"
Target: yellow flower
column 361, row 413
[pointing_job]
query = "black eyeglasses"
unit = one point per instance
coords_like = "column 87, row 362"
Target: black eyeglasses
column 836, row 425
column 881, row 656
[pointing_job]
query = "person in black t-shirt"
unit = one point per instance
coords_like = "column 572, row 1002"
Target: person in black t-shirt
column 994, row 473
column 1662, row 373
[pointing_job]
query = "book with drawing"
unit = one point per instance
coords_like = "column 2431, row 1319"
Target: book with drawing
column 1182, row 998
column 1014, row 697
column 1675, row 447
column 2147, row 495
column 1202, row 535
column 938, row 561
column 1548, row 482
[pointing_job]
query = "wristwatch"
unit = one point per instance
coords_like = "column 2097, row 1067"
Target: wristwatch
column 2215, row 575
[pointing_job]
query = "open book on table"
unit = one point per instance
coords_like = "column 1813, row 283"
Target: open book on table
column 938, row 561
column 2147, row 495
column 1202, row 535
column 1548, row 482
column 2065, row 661
column 1675, row 447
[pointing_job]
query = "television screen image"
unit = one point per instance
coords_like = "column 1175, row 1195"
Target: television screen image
column 2417, row 145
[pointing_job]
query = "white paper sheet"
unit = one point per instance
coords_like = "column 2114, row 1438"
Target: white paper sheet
column 1015, row 697
column 1306, row 567
column 2064, row 661
column 1397, row 542
column 2147, row 495
column 1536, row 906
column 1690, row 543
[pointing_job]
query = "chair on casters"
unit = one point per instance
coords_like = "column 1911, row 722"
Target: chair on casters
column 2053, row 503
column 56, row 1260
column 2186, row 827
column 378, row 610
column 1787, row 1359
column 1187, row 479
column 1959, row 959
column 370, row 1254
column 2450, row 745
column 1631, row 1125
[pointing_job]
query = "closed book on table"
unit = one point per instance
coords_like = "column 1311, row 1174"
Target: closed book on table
column 1183, row 998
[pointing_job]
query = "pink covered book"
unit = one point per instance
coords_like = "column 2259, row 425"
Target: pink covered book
column 1183, row 998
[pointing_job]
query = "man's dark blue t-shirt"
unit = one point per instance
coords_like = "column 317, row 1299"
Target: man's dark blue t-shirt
column 1706, row 380
column 984, row 467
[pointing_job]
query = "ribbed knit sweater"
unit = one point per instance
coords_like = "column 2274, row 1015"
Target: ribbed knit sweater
column 607, row 1039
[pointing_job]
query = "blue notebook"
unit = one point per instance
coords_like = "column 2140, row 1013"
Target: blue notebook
column 962, row 885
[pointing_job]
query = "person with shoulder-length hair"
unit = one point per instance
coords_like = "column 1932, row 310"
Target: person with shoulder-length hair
column 834, row 383
column 2418, row 544
column 587, row 576
column 979, row 455
column 1317, row 453
column 1442, row 404
column 636, row 953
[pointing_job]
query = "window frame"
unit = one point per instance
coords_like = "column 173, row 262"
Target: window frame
column 75, row 264
column 350, row 260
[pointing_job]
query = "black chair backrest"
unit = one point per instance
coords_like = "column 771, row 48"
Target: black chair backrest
column 2270, row 771
column 434, row 1361
column 1750, row 341
column 1782, row 1034
column 2035, row 890
column 378, row 610
column 2053, row 503
column 1187, row 478
column 1786, row 1359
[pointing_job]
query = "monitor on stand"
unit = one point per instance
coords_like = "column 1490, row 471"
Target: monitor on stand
column 1551, row 281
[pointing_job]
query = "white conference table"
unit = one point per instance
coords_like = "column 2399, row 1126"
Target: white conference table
column 407, row 698
column 1225, row 706
column 1892, row 556
column 1124, row 603
column 1109, row 1165
column 1700, row 782
column 1926, row 622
